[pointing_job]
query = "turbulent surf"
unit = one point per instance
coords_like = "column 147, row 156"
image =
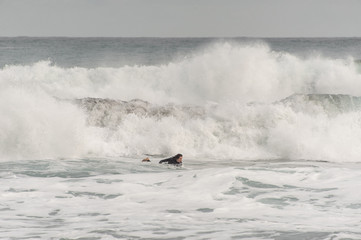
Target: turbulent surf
column 269, row 130
column 225, row 100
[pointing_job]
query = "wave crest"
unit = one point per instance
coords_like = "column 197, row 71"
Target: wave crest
column 219, row 73
column 227, row 101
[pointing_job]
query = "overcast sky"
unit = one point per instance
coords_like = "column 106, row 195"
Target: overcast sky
column 181, row 18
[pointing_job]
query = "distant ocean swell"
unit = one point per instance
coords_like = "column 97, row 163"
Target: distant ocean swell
column 227, row 101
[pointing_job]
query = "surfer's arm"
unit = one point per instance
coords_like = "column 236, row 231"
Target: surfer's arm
column 162, row 161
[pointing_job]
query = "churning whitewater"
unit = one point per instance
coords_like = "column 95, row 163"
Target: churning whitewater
column 269, row 130
column 225, row 101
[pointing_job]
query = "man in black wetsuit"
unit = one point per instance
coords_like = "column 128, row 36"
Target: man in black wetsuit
column 177, row 159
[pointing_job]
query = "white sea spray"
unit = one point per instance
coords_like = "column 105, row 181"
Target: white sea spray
column 225, row 101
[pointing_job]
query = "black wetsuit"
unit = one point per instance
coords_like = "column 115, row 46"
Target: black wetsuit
column 172, row 160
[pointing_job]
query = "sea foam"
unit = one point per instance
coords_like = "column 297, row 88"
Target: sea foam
column 224, row 101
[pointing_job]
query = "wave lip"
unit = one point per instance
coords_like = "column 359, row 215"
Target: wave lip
column 109, row 112
column 323, row 103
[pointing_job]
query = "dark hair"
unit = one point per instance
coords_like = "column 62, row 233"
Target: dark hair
column 178, row 156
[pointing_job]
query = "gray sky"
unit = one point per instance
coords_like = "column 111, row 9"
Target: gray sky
column 181, row 18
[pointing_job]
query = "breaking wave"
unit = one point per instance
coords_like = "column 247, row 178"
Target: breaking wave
column 226, row 102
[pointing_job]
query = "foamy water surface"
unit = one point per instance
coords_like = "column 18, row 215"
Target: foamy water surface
column 126, row 199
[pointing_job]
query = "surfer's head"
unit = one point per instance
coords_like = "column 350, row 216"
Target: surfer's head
column 179, row 157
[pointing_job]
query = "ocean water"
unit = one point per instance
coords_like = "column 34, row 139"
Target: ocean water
column 270, row 131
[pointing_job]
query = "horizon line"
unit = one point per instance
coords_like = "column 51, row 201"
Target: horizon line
column 181, row 37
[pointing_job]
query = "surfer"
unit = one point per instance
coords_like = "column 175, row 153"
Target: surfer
column 177, row 160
